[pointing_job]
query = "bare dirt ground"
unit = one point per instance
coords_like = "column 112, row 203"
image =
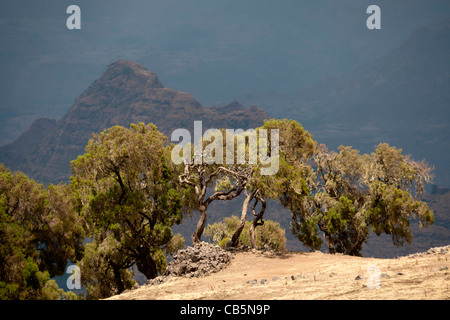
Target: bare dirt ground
column 300, row 275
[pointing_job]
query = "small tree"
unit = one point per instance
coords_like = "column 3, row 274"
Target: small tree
column 211, row 178
column 130, row 198
column 258, row 220
column 200, row 177
column 354, row 193
column 295, row 147
column 104, row 269
column 270, row 235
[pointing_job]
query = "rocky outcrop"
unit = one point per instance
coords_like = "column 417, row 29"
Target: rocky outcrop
column 198, row 261
column 435, row 250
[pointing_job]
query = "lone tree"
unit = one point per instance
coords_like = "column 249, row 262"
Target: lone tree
column 130, row 196
column 228, row 183
column 353, row 194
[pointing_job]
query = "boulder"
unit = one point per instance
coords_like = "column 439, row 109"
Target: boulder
column 200, row 260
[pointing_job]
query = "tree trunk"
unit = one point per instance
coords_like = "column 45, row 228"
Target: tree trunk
column 118, row 278
column 356, row 248
column 237, row 233
column 146, row 264
column 330, row 244
column 253, row 226
column 258, row 217
column 196, row 236
column 252, row 235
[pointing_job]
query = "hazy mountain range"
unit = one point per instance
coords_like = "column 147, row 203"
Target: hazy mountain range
column 401, row 98
column 215, row 50
column 126, row 93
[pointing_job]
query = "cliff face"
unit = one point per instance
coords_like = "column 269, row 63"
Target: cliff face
column 126, row 93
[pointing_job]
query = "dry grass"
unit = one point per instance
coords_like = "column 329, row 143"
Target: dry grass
column 316, row 276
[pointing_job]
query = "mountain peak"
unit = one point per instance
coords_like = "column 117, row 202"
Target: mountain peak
column 231, row 107
column 125, row 93
column 122, row 71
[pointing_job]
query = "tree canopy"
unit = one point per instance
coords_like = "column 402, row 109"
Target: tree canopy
column 39, row 231
column 295, row 146
column 126, row 194
column 352, row 194
column 130, row 198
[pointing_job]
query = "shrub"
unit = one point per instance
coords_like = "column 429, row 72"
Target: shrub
column 270, row 235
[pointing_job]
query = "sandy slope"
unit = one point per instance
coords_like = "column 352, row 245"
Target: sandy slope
column 298, row 275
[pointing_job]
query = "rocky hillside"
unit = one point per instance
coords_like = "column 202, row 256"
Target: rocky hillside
column 126, row 93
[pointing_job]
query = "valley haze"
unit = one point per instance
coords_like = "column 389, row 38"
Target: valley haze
column 345, row 78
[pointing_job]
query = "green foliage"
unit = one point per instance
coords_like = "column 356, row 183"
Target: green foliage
column 52, row 292
column 176, row 243
column 353, row 194
column 295, row 145
column 295, row 148
column 270, row 235
column 218, row 231
column 39, row 231
column 305, row 228
column 104, row 271
column 126, row 194
column 130, row 197
column 224, row 243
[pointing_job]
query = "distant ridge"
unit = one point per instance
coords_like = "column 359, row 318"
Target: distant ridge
column 125, row 93
column 401, row 98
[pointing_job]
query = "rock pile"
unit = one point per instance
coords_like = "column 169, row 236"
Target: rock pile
column 198, row 261
column 435, row 250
